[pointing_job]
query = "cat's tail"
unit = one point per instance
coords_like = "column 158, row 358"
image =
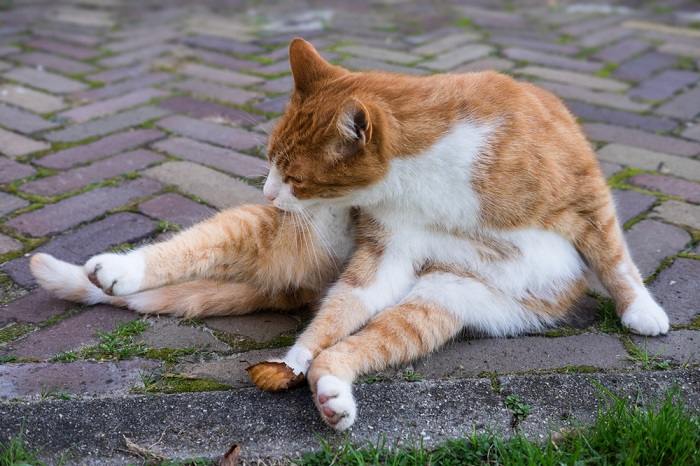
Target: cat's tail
column 68, row 281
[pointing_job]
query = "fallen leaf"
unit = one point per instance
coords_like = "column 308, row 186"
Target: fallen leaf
column 230, row 458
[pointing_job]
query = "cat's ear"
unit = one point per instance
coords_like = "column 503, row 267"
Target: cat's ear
column 354, row 123
column 308, row 67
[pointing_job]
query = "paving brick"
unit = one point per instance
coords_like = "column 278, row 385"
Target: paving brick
column 224, row 61
column 80, row 378
column 684, row 106
column 113, row 105
column 368, row 64
column 679, row 213
column 681, row 346
column 260, row 326
column 631, row 203
column 213, row 187
column 8, row 244
column 106, row 125
column 604, row 36
column 665, row 84
column 685, row 50
column 15, row 145
column 273, row 105
column 53, row 62
column 445, row 43
column 676, row 290
column 285, row 84
column 693, row 132
column 97, row 150
column 38, row 306
column 218, row 92
column 605, row 99
column 11, row 170
column 72, row 211
column 222, row 44
column 22, row 121
column 634, row 137
column 30, row 99
column 499, row 355
column 376, row 53
column 70, row 334
column 10, row 203
column 128, row 85
column 227, row 136
column 658, row 27
column 222, row 76
column 176, row 209
column 548, row 59
column 215, row 157
column 645, row 65
column 669, row 185
column 651, row 241
column 486, row 64
column 281, row 66
column 136, row 56
column 139, row 41
column 533, row 44
column 486, row 17
column 62, row 48
column 72, row 37
column 649, row 160
column 44, row 80
column 170, row 333
column 203, row 109
column 118, row 74
column 620, row 118
column 75, row 179
column 609, row 169
column 622, row 50
column 572, row 78
column 449, row 60
column 86, row 241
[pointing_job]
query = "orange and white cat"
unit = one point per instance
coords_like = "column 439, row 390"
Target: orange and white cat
column 410, row 208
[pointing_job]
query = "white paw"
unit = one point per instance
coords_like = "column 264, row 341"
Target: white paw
column 335, row 402
column 299, row 359
column 645, row 317
column 117, row 274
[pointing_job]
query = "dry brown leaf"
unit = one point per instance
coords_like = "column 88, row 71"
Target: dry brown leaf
column 231, row 457
column 274, row 376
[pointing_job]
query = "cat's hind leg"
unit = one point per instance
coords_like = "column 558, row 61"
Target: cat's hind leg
column 601, row 242
column 196, row 298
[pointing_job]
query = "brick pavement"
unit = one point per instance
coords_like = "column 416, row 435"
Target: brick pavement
column 120, row 123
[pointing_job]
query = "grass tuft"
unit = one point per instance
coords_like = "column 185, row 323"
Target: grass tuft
column 624, row 434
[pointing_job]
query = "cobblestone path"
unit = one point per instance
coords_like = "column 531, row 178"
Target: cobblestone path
column 123, row 121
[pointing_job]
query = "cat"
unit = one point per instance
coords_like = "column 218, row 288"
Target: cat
column 410, row 208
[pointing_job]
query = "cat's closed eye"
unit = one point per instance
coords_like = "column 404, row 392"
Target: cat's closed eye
column 292, row 179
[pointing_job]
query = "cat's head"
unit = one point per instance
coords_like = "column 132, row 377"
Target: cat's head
column 329, row 143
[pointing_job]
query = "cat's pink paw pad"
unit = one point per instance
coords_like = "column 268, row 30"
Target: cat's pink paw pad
column 335, row 402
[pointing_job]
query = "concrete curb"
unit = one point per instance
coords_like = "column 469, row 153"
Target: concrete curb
column 284, row 425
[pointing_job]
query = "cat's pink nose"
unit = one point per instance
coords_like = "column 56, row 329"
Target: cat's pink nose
column 270, row 196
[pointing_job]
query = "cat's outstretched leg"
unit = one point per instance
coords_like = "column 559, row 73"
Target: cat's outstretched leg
column 197, row 298
column 437, row 308
column 601, row 242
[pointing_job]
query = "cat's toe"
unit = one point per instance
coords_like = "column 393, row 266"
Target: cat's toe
column 645, row 317
column 335, row 402
column 117, row 274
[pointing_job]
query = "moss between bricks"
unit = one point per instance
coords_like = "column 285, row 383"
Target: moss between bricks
column 14, row 331
column 242, row 343
column 172, row 383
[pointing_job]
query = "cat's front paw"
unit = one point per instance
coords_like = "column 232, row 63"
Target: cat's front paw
column 117, row 274
column 645, row 317
column 335, row 402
